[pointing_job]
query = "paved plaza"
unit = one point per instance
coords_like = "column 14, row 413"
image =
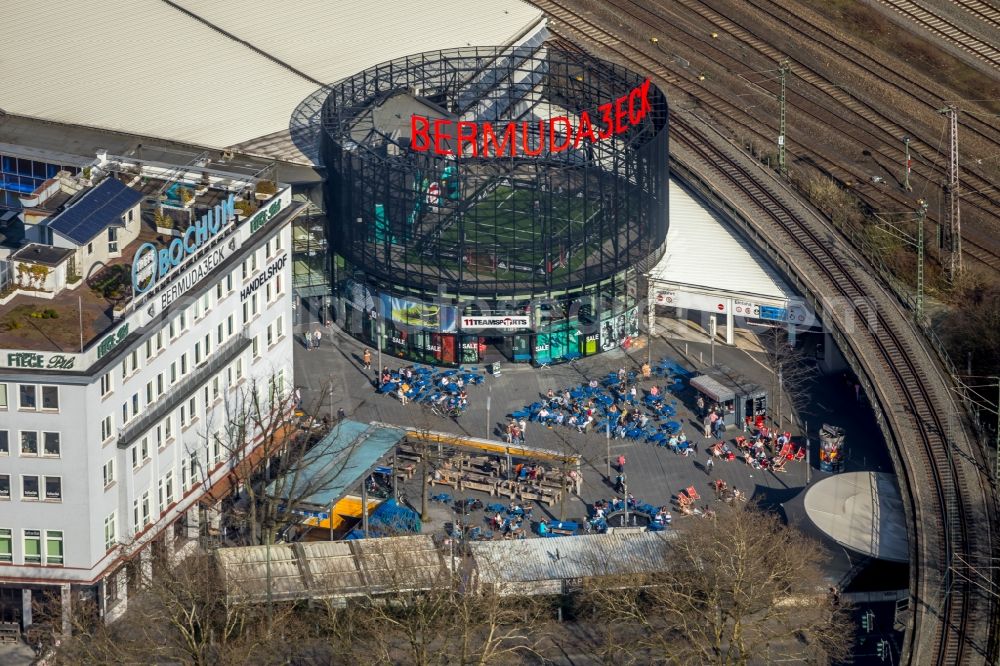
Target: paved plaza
column 332, row 377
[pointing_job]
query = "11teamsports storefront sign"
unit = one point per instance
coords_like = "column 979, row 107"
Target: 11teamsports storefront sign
column 441, row 136
column 509, row 322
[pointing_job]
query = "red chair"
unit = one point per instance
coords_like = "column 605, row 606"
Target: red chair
column 741, row 442
column 693, row 494
column 801, row 453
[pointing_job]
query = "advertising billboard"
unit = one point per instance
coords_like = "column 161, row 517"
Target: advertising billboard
column 440, row 318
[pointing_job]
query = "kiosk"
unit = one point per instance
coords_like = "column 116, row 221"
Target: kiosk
column 737, row 396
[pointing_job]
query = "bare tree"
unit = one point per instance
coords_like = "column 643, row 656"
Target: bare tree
column 741, row 587
column 271, row 458
column 182, row 615
column 792, row 375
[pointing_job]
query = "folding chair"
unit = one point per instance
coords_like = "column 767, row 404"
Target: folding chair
column 693, row 494
column 780, row 465
column 801, row 453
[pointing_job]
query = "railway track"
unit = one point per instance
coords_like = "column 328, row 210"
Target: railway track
column 941, row 28
column 879, row 135
column 950, row 508
column 982, row 11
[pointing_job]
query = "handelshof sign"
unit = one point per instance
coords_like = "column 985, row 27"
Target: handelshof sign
column 151, row 264
column 512, row 321
column 269, row 272
column 515, row 138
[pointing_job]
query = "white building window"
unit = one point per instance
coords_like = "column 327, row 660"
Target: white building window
column 50, row 397
column 109, row 472
column 29, row 487
column 27, row 397
column 135, row 515
column 3, row 394
column 53, row 547
column 169, row 487
column 6, row 545
column 110, row 535
column 4, row 443
column 51, row 445
column 106, row 430
column 4, row 486
column 106, row 384
column 53, row 488
column 29, row 443
column 32, row 542
column 145, row 508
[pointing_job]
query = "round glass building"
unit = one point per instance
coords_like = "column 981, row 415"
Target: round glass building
column 490, row 203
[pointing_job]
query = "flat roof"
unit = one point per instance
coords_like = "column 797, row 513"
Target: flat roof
column 46, row 255
column 332, row 569
column 724, row 385
column 256, row 62
column 87, row 309
column 561, row 558
column 337, row 462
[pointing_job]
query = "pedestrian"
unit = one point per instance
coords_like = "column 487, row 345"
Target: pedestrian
column 621, row 463
column 620, row 482
column 709, row 464
column 317, row 336
column 523, row 425
column 622, row 374
column 367, row 358
column 700, row 403
column 707, row 423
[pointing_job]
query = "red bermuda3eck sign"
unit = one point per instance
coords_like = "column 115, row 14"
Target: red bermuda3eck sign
column 450, row 137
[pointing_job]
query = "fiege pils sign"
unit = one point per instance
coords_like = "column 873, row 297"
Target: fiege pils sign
column 520, row 139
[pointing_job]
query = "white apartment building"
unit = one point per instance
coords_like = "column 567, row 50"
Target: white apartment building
column 110, row 449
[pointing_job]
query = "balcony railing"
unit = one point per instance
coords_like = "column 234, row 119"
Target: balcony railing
column 183, row 389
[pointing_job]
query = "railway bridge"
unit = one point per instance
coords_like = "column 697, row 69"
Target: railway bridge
column 948, row 492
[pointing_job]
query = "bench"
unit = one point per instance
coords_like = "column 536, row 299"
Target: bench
column 468, row 484
column 549, row 498
column 445, row 481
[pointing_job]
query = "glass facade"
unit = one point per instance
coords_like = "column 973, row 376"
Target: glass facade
column 553, row 235
column 20, row 176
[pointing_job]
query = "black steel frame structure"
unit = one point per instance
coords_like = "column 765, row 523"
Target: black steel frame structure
column 501, row 231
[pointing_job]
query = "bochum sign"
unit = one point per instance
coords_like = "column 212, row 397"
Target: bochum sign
column 151, row 264
column 514, row 139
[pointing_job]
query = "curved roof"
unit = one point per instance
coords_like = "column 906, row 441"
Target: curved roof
column 703, row 252
column 217, row 73
column 862, row 511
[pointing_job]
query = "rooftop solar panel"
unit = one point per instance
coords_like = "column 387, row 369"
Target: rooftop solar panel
column 95, row 211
